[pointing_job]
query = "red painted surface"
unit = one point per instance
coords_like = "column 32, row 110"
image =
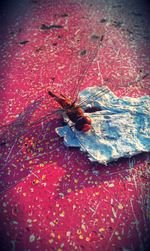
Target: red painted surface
column 52, row 197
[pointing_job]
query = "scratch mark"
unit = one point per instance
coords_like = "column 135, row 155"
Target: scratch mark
column 11, row 149
column 113, row 233
column 99, row 72
column 96, row 208
column 137, row 225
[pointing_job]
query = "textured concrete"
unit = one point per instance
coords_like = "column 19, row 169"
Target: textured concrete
column 52, row 197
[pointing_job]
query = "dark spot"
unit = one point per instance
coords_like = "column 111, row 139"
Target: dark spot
column 59, row 36
column 12, row 33
column 103, row 20
column 56, row 221
column 48, row 27
column 117, row 24
column 106, row 79
column 24, row 42
column 38, row 49
column 106, row 117
column 129, row 31
column 102, row 236
column 54, row 44
column 95, row 37
column 53, row 78
column 82, row 53
column 64, row 15
column 110, row 229
column 3, row 143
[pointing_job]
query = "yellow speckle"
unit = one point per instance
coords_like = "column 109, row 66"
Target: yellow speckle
column 62, row 214
column 57, row 205
column 81, row 237
column 69, row 190
column 79, row 231
column 101, row 229
column 119, row 238
column 120, row 206
column 97, row 193
column 59, row 237
column 87, row 239
column 83, row 226
column 59, row 249
column 76, row 181
column 35, row 182
column 41, row 164
column 43, row 176
column 116, row 233
column 56, row 222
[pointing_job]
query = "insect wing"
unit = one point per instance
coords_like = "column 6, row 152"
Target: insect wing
column 87, row 102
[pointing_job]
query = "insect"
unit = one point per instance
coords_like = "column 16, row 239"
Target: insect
column 74, row 112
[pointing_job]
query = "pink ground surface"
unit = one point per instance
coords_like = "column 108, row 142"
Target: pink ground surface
column 52, row 197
